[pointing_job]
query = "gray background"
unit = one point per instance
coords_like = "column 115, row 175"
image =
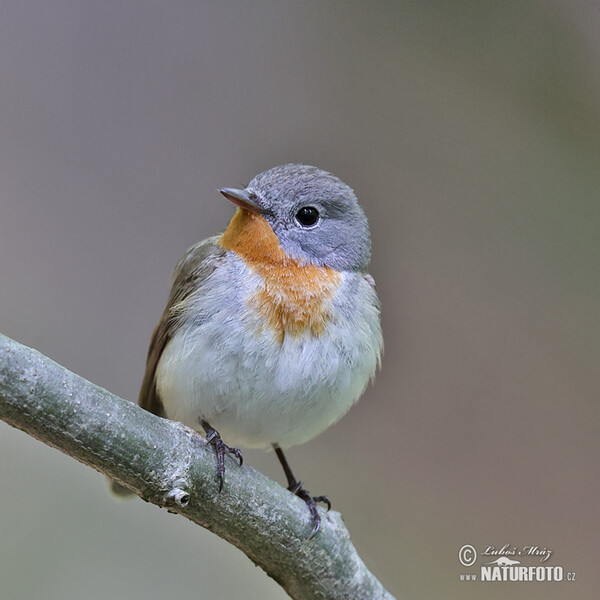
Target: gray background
column 471, row 133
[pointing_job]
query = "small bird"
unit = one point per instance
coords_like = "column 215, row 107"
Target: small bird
column 272, row 329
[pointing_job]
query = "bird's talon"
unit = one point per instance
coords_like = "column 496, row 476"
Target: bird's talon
column 221, row 449
column 236, row 452
column 311, row 501
column 316, row 527
column 324, row 499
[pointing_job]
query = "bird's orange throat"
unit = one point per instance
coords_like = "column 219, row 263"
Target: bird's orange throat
column 294, row 297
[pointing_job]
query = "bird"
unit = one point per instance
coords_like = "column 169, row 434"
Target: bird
column 272, row 328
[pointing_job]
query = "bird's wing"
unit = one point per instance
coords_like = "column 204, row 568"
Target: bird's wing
column 192, row 269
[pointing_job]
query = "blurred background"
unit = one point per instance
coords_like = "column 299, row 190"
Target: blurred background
column 471, row 134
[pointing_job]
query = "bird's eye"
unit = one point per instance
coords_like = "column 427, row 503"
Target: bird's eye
column 307, row 216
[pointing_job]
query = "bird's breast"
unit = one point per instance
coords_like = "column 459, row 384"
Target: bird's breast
column 293, row 298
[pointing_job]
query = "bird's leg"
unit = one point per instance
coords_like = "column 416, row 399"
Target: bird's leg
column 295, row 487
column 221, row 449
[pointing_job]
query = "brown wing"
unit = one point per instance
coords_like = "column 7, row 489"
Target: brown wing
column 193, row 268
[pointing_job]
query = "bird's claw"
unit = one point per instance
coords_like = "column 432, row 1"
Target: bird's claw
column 311, row 502
column 221, row 449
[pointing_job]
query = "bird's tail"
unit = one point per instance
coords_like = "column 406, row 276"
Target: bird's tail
column 119, row 490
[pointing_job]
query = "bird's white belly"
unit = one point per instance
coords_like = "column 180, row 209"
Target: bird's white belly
column 256, row 391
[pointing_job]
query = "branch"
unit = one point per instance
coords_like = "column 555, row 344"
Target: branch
column 170, row 465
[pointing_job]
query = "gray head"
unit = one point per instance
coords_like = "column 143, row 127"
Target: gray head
column 315, row 215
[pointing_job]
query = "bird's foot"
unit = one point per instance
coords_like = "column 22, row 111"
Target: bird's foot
column 311, row 501
column 221, row 449
column 295, row 487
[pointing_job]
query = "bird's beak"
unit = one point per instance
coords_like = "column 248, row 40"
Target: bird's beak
column 242, row 199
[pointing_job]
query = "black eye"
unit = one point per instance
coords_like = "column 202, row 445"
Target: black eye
column 307, row 216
